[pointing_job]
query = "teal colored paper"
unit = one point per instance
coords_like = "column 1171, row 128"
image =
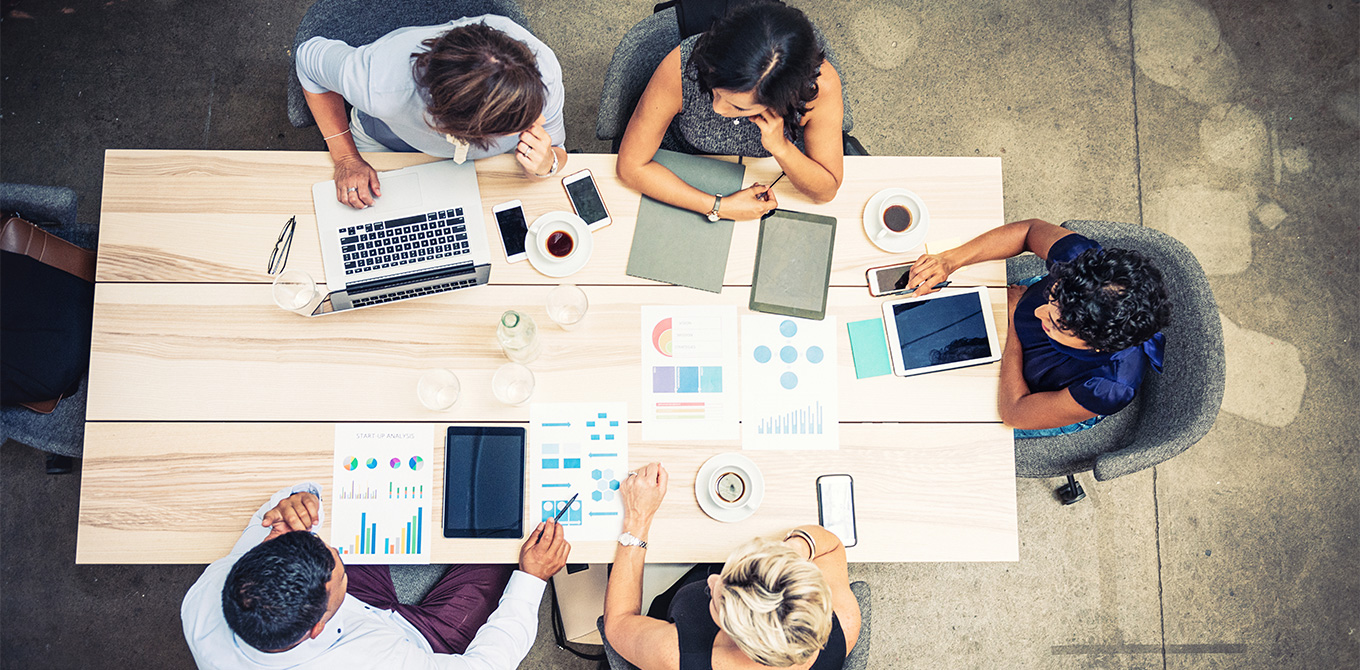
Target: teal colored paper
column 869, row 348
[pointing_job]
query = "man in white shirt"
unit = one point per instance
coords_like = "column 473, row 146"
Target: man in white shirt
column 281, row 599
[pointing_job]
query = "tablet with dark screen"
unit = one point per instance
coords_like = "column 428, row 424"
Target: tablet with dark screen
column 940, row 331
column 484, row 482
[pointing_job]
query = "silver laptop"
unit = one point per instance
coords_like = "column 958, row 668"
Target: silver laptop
column 424, row 236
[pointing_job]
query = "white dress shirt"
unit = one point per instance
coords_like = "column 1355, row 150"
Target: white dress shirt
column 378, row 80
column 359, row 635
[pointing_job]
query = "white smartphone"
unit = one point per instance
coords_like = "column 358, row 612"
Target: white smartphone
column 892, row 279
column 585, row 199
column 513, row 228
column 836, row 507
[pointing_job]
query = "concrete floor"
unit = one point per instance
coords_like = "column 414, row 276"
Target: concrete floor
column 1234, row 126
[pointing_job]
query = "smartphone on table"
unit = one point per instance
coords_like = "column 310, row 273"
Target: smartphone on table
column 513, row 228
column 892, row 279
column 836, row 507
column 585, row 199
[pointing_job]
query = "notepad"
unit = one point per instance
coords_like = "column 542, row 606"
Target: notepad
column 677, row 246
column 869, row 348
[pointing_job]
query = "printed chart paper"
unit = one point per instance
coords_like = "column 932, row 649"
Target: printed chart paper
column 381, row 492
column 689, row 373
column 578, row 447
column 788, row 383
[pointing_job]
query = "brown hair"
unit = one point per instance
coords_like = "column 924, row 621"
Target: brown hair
column 479, row 84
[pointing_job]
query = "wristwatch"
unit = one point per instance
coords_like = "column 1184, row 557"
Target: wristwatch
column 630, row 540
column 713, row 213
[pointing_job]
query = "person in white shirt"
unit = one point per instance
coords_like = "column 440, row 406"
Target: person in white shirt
column 282, row 599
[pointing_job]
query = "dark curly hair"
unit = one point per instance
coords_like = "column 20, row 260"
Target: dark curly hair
column 1111, row 298
column 766, row 48
column 276, row 592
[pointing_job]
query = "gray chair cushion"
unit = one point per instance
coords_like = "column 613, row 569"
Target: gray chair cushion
column 40, row 204
column 858, row 659
column 636, row 57
column 412, row 582
column 1173, row 410
column 359, row 22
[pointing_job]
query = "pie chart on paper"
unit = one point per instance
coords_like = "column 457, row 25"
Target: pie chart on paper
column 661, row 337
column 351, row 464
column 417, row 462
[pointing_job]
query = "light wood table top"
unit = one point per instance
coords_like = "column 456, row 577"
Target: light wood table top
column 205, row 398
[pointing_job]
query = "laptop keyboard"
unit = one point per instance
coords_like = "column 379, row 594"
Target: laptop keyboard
column 412, row 293
column 403, row 241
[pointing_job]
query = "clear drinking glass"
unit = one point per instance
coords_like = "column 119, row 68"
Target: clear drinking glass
column 512, row 384
column 438, row 389
column 567, row 305
column 294, row 290
column 518, row 336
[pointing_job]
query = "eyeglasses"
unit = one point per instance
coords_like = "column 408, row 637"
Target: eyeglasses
column 279, row 258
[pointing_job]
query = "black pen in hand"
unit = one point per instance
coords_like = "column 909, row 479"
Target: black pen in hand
column 559, row 514
column 765, row 195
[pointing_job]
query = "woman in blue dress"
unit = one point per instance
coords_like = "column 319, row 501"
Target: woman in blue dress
column 1081, row 337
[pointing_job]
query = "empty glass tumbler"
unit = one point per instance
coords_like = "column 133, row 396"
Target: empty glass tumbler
column 567, row 305
column 518, row 336
column 512, row 384
column 438, row 389
column 294, row 290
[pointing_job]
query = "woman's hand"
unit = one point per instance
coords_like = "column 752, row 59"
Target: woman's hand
column 929, row 270
column 744, row 205
column 772, row 136
column 535, row 151
column 356, row 182
column 642, row 493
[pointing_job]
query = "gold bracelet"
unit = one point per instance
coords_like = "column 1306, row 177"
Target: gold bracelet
column 327, row 139
column 812, row 544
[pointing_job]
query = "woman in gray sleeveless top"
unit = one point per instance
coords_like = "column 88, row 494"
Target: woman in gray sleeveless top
column 757, row 84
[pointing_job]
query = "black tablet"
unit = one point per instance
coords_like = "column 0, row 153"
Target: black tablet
column 484, row 482
column 793, row 264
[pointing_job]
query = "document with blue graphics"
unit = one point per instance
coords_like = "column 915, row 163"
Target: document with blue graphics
column 578, row 448
column 382, row 492
column 689, row 373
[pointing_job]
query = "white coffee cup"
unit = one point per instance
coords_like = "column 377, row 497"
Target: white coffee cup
column 893, row 203
column 557, row 240
column 731, row 488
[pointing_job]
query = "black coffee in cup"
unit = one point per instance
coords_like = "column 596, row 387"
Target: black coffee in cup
column 730, row 487
column 897, row 218
column 560, row 243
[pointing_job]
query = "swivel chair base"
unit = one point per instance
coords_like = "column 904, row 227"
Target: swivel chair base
column 1070, row 492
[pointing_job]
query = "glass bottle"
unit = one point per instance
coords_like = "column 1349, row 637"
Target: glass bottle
column 518, row 336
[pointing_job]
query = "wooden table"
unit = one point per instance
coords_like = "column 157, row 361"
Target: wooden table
column 205, row 398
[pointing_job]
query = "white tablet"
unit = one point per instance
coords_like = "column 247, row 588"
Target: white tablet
column 941, row 331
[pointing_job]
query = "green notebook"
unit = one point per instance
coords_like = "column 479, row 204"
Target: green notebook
column 677, row 246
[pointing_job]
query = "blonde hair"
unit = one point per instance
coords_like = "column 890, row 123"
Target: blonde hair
column 775, row 604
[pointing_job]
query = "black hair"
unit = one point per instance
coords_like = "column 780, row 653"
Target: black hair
column 1110, row 298
column 276, row 592
column 767, row 48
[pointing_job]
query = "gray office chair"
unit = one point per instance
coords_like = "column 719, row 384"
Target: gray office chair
column 643, row 48
column 62, row 433
column 858, row 658
column 359, row 22
column 412, row 582
column 1172, row 410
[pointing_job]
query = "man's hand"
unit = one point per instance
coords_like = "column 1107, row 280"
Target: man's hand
column 535, row 151
column 642, row 494
column 299, row 511
column 927, row 271
column 356, row 182
column 545, row 552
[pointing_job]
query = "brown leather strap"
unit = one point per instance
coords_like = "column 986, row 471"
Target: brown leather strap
column 21, row 237
column 42, row 406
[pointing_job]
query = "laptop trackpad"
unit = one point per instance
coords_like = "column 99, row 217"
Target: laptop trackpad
column 399, row 192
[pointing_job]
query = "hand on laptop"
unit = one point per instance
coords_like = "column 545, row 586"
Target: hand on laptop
column 534, row 151
column 356, row 182
column 545, row 552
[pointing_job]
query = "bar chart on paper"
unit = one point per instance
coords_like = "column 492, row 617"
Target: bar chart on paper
column 806, row 421
column 788, row 383
column 381, row 488
column 689, row 364
column 581, row 450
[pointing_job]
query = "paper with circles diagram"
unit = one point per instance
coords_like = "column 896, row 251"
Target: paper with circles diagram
column 689, row 373
column 381, row 492
column 788, row 383
column 578, row 448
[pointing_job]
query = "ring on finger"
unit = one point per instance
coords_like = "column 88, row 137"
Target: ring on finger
column 352, row 188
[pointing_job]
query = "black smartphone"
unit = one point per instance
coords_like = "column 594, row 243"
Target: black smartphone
column 889, row 279
column 484, row 482
column 836, row 507
column 513, row 227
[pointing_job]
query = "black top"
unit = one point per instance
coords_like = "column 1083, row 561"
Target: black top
column 695, row 627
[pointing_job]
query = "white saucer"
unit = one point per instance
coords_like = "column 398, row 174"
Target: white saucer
column 553, row 267
column 873, row 221
column 703, row 490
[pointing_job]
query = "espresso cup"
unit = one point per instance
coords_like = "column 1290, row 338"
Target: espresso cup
column 897, row 215
column 731, row 488
column 558, row 241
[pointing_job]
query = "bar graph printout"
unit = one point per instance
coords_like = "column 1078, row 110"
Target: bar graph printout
column 381, row 493
column 578, row 448
column 689, row 373
column 788, row 383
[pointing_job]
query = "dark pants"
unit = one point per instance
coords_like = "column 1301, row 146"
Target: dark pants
column 449, row 616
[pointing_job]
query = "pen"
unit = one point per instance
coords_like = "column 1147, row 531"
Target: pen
column 937, row 286
column 566, row 507
column 766, row 194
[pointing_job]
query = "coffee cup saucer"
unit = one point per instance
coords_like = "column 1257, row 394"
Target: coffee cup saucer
column 703, row 487
column 896, row 242
column 559, row 267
